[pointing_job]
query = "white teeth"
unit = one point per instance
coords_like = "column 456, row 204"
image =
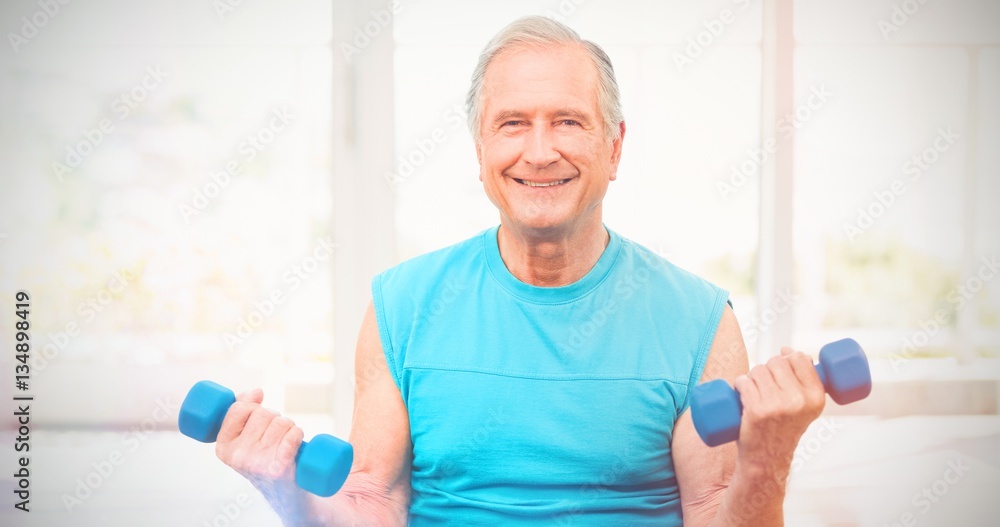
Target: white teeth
column 552, row 184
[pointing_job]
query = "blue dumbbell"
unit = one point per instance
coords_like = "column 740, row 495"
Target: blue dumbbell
column 717, row 411
column 321, row 465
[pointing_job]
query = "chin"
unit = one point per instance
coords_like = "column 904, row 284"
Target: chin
column 546, row 222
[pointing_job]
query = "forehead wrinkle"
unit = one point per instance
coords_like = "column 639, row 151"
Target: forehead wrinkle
column 586, row 76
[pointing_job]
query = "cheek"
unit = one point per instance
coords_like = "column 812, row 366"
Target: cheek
column 586, row 156
column 500, row 155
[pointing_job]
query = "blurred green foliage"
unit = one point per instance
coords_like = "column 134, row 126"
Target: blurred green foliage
column 880, row 282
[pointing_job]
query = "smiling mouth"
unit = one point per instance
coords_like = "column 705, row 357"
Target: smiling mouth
column 533, row 184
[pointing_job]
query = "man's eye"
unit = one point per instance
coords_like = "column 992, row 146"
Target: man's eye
column 570, row 122
column 511, row 123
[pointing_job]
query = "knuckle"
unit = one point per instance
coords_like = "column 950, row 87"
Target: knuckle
column 801, row 358
column 755, row 413
column 263, row 414
column 243, row 407
column 275, row 468
column 237, row 460
column 795, row 402
column 277, row 429
column 295, row 436
column 757, row 371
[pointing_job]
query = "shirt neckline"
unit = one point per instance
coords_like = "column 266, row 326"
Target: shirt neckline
column 550, row 295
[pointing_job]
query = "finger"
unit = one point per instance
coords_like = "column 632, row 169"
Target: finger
column 255, row 395
column 802, row 367
column 745, row 386
column 767, row 387
column 805, row 371
column 256, row 425
column 275, row 431
column 288, row 448
column 235, row 421
column 785, row 379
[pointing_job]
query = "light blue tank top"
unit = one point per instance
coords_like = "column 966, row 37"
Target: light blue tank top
column 544, row 405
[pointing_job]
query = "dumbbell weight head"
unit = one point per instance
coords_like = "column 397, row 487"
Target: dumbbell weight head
column 843, row 368
column 716, row 410
column 203, row 410
column 314, row 461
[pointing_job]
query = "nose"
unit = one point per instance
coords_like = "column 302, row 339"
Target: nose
column 539, row 148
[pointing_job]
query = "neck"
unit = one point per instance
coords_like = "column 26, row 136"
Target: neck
column 552, row 259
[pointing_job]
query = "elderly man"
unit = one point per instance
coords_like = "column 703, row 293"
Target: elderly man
column 540, row 372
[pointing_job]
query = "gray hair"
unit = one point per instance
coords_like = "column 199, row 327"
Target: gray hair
column 542, row 31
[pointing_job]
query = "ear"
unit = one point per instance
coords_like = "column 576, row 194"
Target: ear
column 479, row 159
column 616, row 150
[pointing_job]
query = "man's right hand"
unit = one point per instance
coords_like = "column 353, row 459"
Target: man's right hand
column 259, row 444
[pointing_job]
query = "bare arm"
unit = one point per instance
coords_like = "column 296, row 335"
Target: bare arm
column 743, row 483
column 261, row 445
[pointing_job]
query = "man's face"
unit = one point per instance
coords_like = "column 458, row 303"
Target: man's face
column 541, row 125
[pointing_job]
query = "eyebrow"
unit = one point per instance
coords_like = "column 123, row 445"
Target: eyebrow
column 506, row 115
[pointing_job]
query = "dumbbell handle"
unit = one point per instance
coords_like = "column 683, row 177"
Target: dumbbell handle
column 321, row 465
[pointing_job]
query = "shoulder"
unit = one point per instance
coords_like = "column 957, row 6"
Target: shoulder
column 420, row 280
column 683, row 302
column 640, row 261
column 437, row 262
